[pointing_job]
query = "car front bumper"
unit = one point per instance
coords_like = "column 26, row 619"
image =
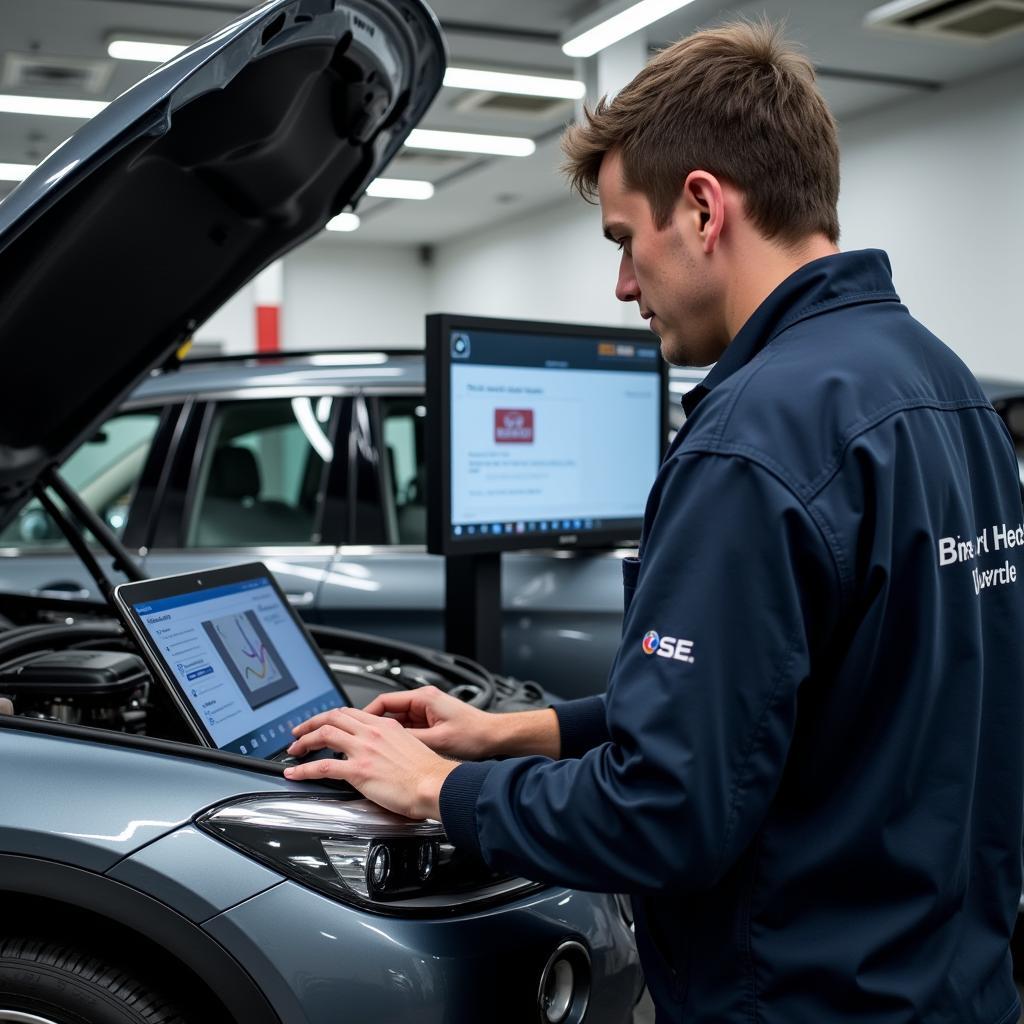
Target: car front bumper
column 322, row 962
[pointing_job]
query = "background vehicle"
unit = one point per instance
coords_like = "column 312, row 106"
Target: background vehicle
column 315, row 464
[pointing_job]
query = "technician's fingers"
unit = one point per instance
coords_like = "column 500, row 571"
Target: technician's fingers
column 365, row 718
column 391, row 703
column 333, row 717
column 329, row 769
column 326, row 736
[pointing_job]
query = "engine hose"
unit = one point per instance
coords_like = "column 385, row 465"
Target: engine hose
column 465, row 671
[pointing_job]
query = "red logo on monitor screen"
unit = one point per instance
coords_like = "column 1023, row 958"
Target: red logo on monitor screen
column 513, row 426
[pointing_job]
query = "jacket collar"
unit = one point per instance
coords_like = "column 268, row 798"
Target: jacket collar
column 842, row 279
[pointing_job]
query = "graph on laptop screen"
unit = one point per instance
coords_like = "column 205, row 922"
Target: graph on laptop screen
column 241, row 662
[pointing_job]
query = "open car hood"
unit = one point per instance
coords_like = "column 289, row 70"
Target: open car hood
column 149, row 218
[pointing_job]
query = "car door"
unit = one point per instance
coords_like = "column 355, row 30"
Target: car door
column 115, row 473
column 560, row 608
column 250, row 483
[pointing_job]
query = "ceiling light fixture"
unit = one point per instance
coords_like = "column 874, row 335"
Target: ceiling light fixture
column 399, row 188
column 519, row 85
column 465, row 142
column 15, row 172
column 344, row 222
column 144, row 50
column 84, row 109
column 609, row 30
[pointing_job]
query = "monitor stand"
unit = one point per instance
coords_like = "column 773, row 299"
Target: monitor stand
column 472, row 608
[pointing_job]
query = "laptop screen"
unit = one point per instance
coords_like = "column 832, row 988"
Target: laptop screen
column 241, row 661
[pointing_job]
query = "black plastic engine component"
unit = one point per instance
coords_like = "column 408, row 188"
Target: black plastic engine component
column 91, row 676
column 79, row 687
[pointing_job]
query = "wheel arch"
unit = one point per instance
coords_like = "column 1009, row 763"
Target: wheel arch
column 77, row 897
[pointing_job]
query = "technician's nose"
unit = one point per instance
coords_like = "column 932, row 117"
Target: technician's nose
column 626, row 289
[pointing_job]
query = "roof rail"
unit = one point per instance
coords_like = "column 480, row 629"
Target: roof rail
column 174, row 363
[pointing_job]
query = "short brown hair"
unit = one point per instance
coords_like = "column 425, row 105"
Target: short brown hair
column 736, row 101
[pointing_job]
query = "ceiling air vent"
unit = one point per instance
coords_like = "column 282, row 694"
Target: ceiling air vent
column 959, row 20
column 512, row 104
column 33, row 73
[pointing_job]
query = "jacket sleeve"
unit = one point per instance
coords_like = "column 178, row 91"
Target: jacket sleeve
column 582, row 725
column 737, row 590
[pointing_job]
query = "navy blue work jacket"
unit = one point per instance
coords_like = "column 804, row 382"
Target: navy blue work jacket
column 807, row 768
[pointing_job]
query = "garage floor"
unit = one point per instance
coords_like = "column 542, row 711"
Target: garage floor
column 644, row 1012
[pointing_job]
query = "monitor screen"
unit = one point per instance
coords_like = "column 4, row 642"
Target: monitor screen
column 540, row 434
column 240, row 660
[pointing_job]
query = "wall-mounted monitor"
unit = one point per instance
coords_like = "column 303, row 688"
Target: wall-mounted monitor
column 540, row 434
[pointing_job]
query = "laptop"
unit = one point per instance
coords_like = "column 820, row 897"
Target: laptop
column 234, row 656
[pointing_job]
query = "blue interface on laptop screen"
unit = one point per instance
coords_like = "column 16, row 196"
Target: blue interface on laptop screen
column 241, row 661
column 551, row 434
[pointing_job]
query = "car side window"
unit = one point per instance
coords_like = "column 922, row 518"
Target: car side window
column 105, row 472
column 402, row 422
column 261, row 474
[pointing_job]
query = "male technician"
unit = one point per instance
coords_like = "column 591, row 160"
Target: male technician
column 807, row 768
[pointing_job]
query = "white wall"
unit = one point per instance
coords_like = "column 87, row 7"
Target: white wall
column 550, row 265
column 345, row 296
column 233, row 326
column 939, row 183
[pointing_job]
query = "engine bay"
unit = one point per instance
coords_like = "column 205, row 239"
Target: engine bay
column 85, row 669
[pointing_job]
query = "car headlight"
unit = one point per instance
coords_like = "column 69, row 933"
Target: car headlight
column 360, row 853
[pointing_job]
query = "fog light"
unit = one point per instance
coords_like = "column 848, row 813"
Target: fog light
column 426, row 857
column 565, row 985
column 378, row 868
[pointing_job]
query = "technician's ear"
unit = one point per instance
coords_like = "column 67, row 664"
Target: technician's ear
column 704, row 207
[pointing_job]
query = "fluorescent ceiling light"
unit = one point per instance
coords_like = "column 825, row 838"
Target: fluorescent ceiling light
column 399, row 188
column 140, row 49
column 520, row 85
column 53, row 108
column 464, row 142
column 15, row 172
column 611, row 30
column 344, row 222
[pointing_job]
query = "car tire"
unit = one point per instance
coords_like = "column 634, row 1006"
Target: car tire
column 50, row 983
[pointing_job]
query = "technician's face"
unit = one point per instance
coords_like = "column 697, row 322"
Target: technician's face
column 662, row 271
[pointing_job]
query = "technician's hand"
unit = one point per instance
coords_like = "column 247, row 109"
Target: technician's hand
column 385, row 762
column 444, row 723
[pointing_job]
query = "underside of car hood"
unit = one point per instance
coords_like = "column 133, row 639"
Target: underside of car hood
column 149, row 218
